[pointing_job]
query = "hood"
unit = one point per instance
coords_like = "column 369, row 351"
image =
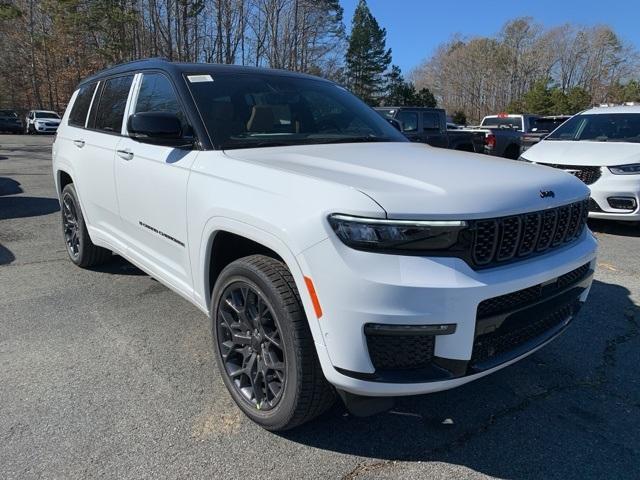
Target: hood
column 582, row 153
column 416, row 181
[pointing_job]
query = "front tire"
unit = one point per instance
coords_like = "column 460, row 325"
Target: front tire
column 80, row 248
column 263, row 345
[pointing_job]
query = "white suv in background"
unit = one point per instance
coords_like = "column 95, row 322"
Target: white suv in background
column 41, row 121
column 331, row 254
column 601, row 147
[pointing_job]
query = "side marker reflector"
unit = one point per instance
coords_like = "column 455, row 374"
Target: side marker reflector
column 314, row 297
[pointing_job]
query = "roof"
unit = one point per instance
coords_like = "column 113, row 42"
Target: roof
column 178, row 68
column 616, row 109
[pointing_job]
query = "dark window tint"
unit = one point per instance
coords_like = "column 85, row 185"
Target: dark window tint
column 603, row 127
column 430, row 121
column 504, row 122
column 157, row 95
column 112, row 104
column 78, row 114
column 47, row 115
column 250, row 111
column 8, row 113
column 409, row 121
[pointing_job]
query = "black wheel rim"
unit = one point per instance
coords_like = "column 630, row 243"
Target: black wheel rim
column 250, row 344
column 70, row 226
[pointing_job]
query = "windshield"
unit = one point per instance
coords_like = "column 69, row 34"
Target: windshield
column 8, row 113
column 547, row 124
column 249, row 111
column 46, row 115
column 504, row 122
column 602, row 127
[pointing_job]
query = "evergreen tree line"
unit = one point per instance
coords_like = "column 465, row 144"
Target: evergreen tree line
column 50, row 45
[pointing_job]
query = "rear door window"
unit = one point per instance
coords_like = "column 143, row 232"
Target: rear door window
column 113, row 100
column 430, row 121
column 78, row 115
column 409, row 121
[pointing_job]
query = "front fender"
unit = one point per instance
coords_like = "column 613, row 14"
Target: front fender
column 295, row 265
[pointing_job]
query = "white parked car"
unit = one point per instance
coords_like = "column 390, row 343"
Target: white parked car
column 331, row 254
column 41, row 121
column 601, row 147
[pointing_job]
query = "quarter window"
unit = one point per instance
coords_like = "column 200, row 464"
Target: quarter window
column 112, row 104
column 78, row 115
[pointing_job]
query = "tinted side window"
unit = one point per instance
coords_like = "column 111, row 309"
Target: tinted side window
column 112, row 104
column 157, row 95
column 409, row 121
column 78, row 115
column 430, row 121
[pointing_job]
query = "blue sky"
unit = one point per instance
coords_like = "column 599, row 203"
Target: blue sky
column 416, row 27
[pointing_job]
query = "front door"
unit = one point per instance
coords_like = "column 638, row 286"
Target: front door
column 152, row 189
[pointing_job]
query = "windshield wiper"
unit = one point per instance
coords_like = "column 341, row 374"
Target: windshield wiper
column 352, row 140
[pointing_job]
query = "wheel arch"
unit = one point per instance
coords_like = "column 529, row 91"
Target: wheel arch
column 245, row 239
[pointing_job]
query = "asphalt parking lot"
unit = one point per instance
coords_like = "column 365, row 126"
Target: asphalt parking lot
column 107, row 373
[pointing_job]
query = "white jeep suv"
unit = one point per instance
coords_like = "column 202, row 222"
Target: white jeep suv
column 41, row 121
column 331, row 254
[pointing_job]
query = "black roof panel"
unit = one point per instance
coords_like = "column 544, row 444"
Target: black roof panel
column 178, row 68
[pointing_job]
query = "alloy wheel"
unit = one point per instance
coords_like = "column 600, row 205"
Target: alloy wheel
column 250, row 344
column 70, row 225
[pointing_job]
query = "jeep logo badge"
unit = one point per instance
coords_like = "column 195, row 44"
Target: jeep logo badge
column 547, row 194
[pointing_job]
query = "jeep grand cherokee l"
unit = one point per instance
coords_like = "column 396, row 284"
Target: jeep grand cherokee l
column 331, row 254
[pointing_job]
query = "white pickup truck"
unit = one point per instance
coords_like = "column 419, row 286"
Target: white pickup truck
column 331, row 254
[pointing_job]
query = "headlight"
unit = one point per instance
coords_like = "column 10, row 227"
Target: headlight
column 411, row 236
column 631, row 169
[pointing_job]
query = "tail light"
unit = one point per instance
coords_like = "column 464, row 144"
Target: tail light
column 490, row 140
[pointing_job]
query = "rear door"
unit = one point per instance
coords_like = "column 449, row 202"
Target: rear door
column 410, row 124
column 432, row 130
column 94, row 168
column 152, row 188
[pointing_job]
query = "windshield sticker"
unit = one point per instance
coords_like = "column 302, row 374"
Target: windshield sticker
column 200, row 78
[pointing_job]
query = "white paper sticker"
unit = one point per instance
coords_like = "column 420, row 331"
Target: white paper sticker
column 199, row 78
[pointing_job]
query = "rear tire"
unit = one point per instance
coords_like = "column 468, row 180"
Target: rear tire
column 80, row 248
column 263, row 345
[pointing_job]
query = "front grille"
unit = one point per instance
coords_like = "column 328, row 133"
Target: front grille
column 521, row 298
column 500, row 240
column 588, row 175
column 400, row 352
column 514, row 334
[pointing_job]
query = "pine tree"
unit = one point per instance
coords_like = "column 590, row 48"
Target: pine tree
column 367, row 57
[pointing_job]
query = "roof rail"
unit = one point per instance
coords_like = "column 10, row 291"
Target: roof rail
column 148, row 59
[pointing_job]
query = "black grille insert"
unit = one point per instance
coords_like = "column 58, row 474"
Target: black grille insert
column 504, row 239
column 588, row 175
column 400, row 352
column 522, row 298
column 516, row 333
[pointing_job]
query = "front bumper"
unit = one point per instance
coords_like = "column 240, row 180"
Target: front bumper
column 358, row 288
column 46, row 128
column 610, row 185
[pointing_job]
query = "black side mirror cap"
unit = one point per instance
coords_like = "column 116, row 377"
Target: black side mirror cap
column 160, row 128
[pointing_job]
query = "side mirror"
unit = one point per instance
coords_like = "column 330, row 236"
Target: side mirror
column 160, row 128
column 397, row 124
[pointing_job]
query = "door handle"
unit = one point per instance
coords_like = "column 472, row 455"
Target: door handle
column 126, row 154
column 79, row 143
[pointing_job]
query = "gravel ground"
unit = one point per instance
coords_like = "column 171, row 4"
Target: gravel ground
column 107, row 373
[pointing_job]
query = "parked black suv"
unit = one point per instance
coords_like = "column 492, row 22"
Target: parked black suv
column 10, row 122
